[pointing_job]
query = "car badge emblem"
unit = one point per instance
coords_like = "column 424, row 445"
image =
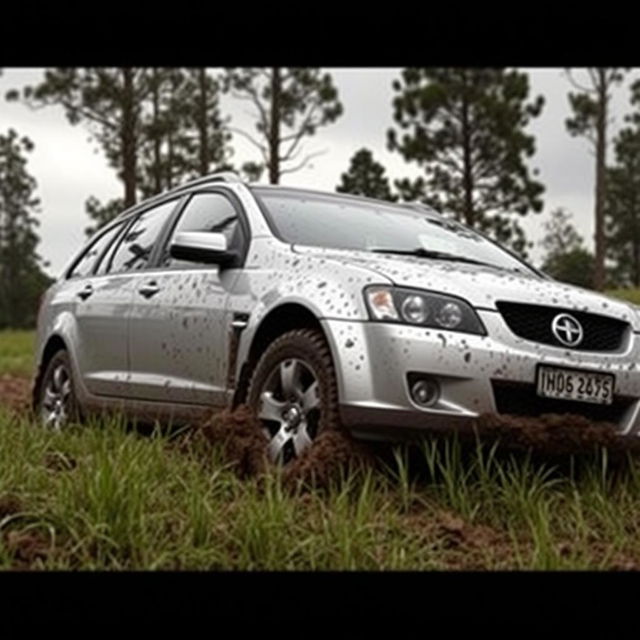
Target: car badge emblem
column 567, row 330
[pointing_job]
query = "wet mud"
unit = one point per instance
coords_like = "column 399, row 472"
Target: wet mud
column 554, row 435
column 239, row 435
column 548, row 437
column 333, row 455
column 14, row 393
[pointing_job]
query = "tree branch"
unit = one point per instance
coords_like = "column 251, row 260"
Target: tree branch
column 304, row 162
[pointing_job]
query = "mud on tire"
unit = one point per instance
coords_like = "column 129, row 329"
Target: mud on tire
column 294, row 393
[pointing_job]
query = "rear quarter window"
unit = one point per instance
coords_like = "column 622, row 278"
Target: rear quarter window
column 86, row 263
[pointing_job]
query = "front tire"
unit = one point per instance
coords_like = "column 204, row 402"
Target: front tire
column 294, row 393
column 57, row 404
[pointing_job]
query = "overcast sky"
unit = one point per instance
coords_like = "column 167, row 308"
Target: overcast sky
column 69, row 167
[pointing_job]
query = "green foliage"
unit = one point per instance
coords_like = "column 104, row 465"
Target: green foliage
column 366, row 177
column 108, row 101
column 16, row 352
column 575, row 267
column 291, row 104
column 567, row 259
column 466, row 129
column 184, row 134
column 156, row 127
column 622, row 202
column 586, row 104
column 101, row 213
column 21, row 278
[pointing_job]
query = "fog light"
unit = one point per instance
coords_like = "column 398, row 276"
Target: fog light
column 425, row 392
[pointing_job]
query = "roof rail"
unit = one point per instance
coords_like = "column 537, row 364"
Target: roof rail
column 416, row 205
column 221, row 176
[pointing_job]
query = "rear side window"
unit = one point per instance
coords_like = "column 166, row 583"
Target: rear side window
column 135, row 249
column 86, row 264
column 207, row 212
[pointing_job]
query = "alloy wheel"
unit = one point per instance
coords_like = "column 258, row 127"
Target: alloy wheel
column 290, row 409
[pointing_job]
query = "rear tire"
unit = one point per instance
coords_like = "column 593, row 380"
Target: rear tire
column 57, row 403
column 294, row 393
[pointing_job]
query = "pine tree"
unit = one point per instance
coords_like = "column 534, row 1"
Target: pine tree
column 590, row 107
column 366, row 177
column 108, row 101
column 466, row 129
column 622, row 202
column 291, row 104
column 567, row 259
column 21, row 278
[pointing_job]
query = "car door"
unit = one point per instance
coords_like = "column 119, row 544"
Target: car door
column 100, row 306
column 180, row 329
column 105, row 303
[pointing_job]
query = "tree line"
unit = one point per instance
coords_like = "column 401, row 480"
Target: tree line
column 465, row 129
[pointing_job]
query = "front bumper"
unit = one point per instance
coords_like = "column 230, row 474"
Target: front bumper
column 373, row 359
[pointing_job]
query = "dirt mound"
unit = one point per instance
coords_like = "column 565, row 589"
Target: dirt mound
column 555, row 434
column 244, row 446
column 241, row 438
column 333, row 454
column 14, row 392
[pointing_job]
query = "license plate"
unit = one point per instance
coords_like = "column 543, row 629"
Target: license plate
column 573, row 384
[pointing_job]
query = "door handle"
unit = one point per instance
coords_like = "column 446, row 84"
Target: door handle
column 85, row 293
column 149, row 289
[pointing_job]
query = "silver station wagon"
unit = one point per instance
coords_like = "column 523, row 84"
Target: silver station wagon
column 321, row 310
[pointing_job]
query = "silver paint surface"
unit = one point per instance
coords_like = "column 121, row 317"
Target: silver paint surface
column 169, row 355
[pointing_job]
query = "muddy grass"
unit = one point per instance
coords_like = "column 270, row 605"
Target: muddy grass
column 336, row 453
column 555, row 435
column 14, row 392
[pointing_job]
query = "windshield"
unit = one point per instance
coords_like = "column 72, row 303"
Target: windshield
column 345, row 223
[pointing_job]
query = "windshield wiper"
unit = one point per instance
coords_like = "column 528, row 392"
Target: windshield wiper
column 420, row 252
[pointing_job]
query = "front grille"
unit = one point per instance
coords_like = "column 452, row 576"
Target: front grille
column 533, row 322
column 520, row 399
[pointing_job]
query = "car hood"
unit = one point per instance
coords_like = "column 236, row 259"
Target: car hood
column 480, row 285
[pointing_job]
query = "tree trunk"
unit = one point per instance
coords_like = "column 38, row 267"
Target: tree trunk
column 635, row 241
column 601, row 146
column 128, row 138
column 274, row 127
column 157, row 164
column 169, row 161
column 201, row 123
column 467, row 178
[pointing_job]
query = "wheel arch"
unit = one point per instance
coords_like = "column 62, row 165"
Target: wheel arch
column 54, row 344
column 283, row 318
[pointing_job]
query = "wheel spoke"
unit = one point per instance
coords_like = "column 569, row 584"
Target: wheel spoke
column 301, row 439
column 50, row 419
column 277, row 443
column 58, row 378
column 311, row 397
column 270, row 408
column 290, row 378
column 49, row 399
column 66, row 388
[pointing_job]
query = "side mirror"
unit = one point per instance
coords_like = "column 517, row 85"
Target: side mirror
column 202, row 246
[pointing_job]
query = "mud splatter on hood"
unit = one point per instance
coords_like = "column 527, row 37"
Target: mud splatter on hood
column 481, row 285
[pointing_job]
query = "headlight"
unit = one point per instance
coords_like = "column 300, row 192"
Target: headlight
column 393, row 304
